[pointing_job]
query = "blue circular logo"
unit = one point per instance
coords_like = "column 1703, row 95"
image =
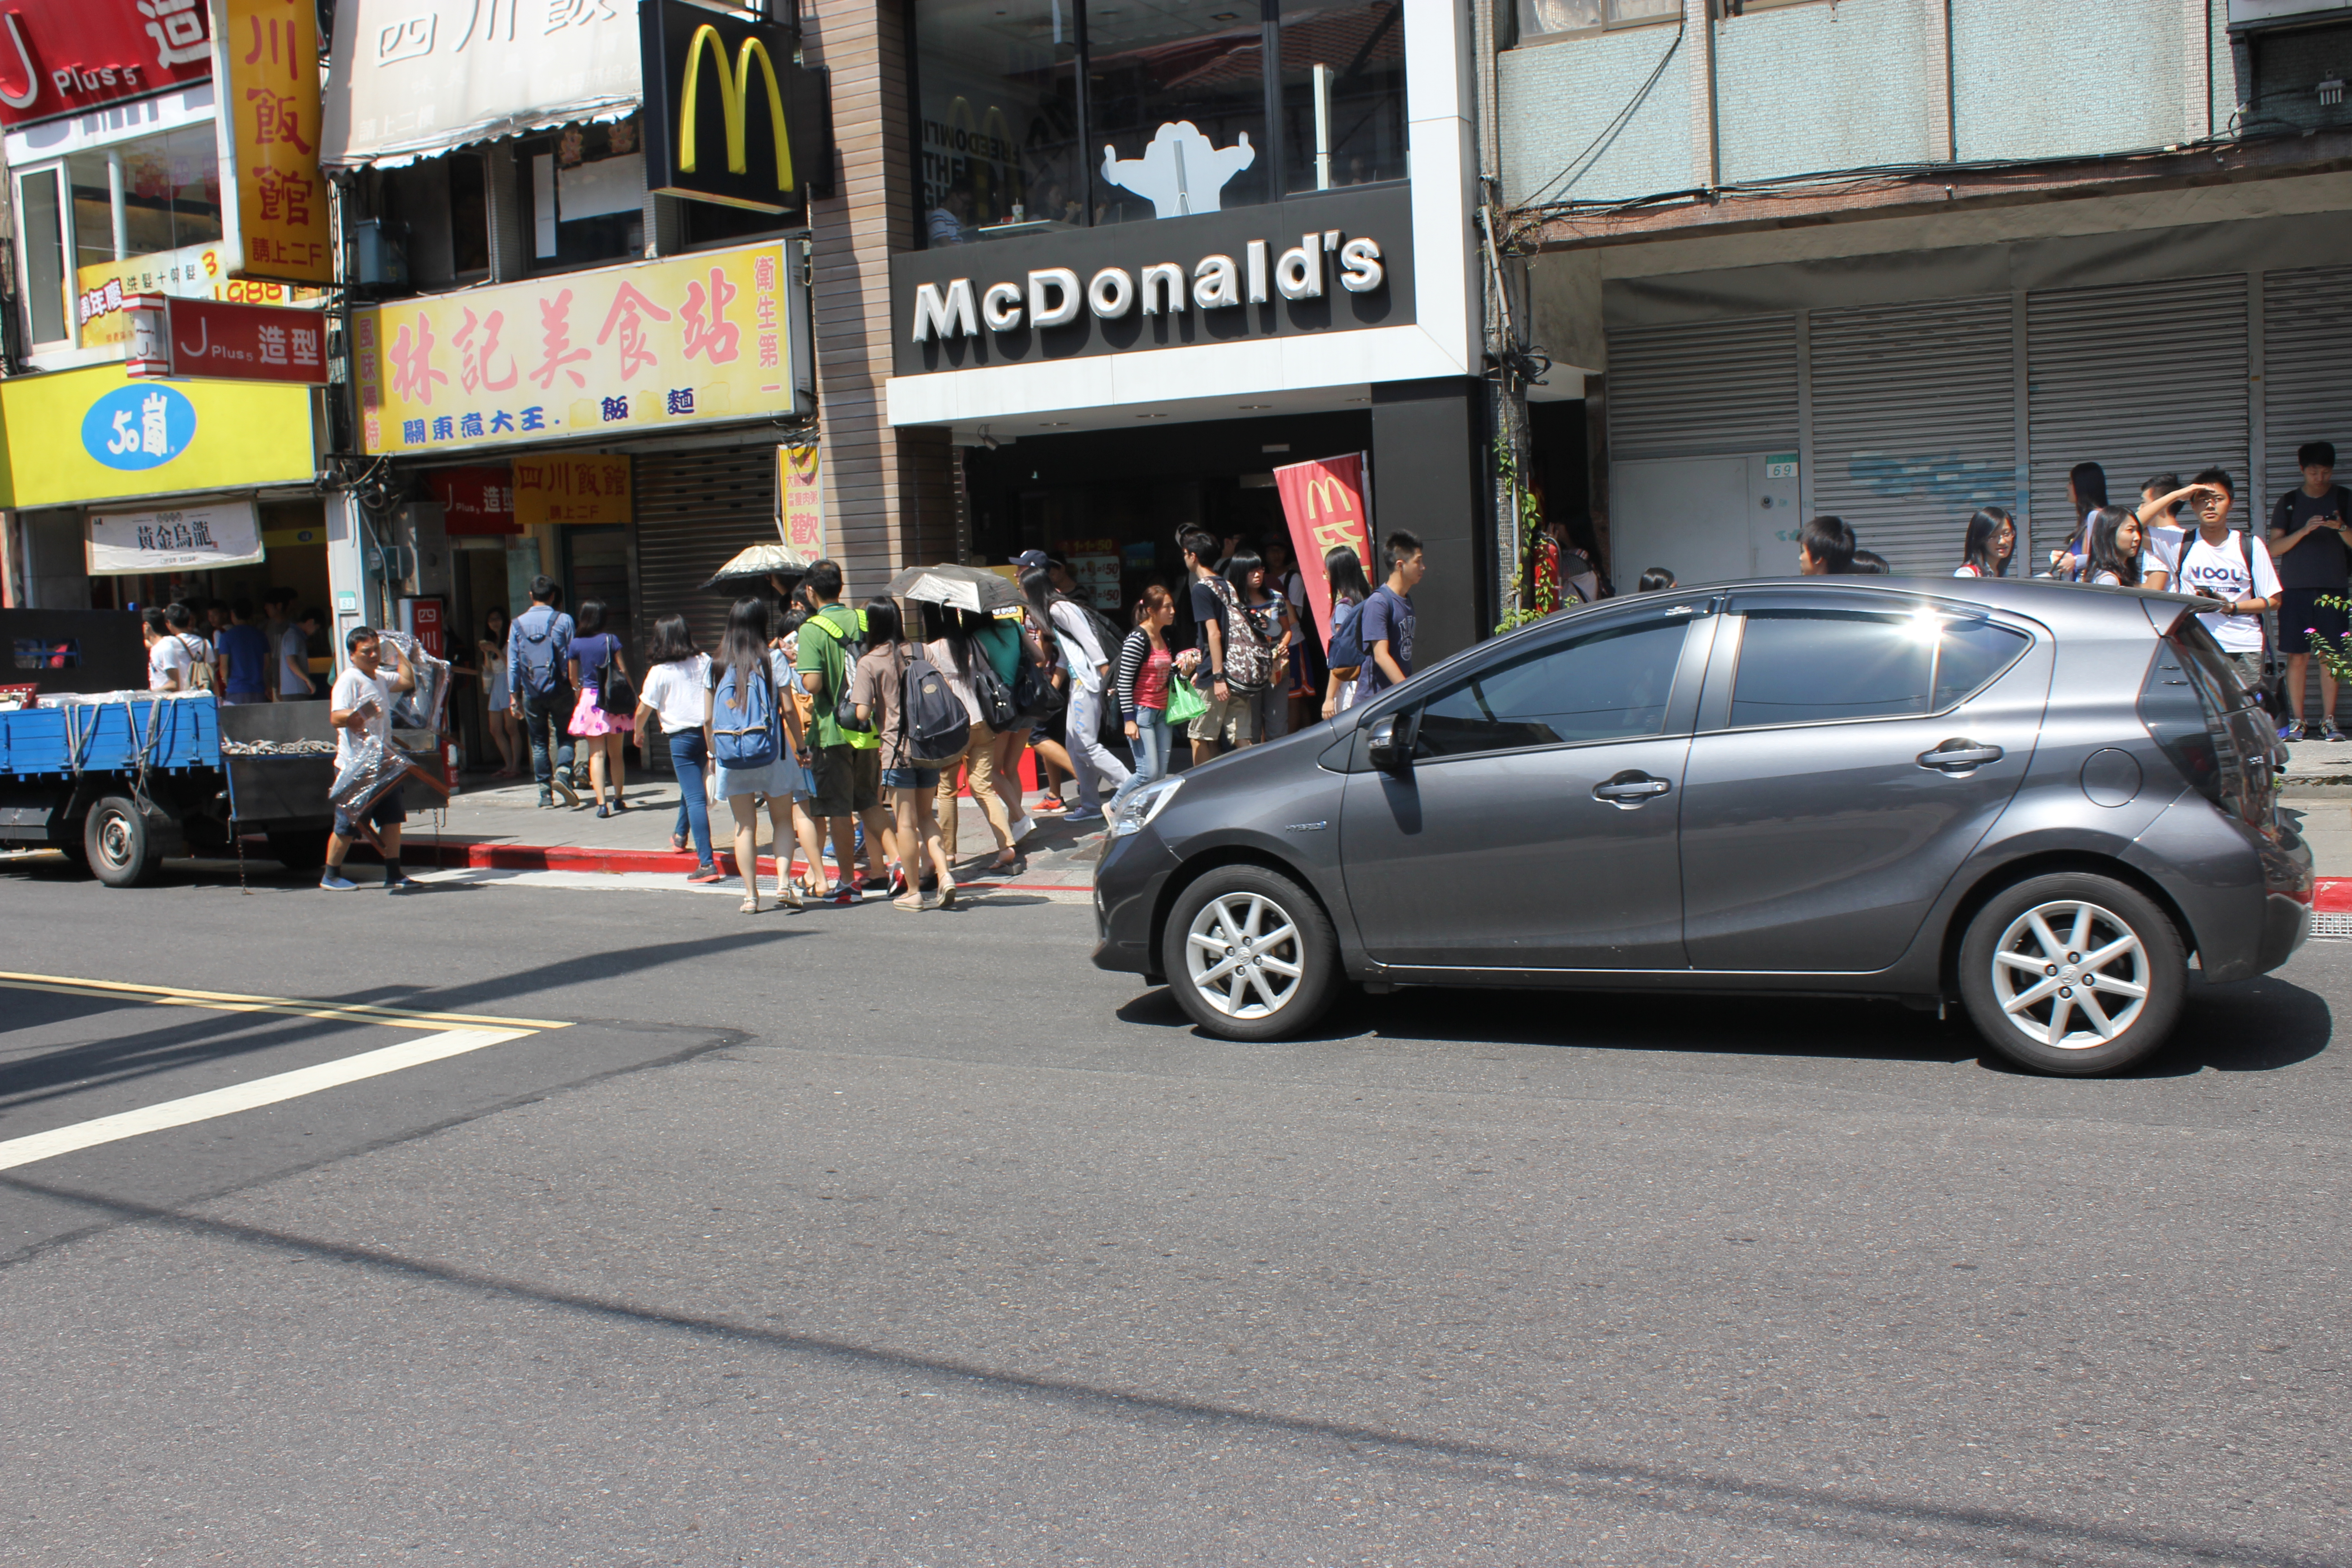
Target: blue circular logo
column 139, row 426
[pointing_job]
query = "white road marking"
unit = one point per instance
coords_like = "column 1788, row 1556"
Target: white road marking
column 239, row 1097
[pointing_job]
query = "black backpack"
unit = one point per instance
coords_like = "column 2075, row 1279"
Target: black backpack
column 988, row 688
column 933, row 720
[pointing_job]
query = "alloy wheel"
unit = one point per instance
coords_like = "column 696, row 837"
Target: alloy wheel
column 1242, row 955
column 2070, row 974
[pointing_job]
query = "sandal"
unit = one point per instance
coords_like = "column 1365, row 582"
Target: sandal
column 749, row 906
column 788, row 895
column 912, row 903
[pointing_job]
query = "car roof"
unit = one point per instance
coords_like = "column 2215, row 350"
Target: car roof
column 2054, row 602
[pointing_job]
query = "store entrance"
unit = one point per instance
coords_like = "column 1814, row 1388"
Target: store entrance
column 1112, row 502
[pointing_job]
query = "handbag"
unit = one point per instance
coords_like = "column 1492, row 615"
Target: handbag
column 1184, row 702
column 996, row 708
column 616, row 694
column 1035, row 693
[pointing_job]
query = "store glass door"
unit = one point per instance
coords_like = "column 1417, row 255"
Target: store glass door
column 596, row 567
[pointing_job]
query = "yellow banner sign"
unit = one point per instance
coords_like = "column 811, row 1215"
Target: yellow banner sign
column 268, row 70
column 628, row 350
column 197, row 272
column 571, row 487
column 800, row 500
column 80, row 436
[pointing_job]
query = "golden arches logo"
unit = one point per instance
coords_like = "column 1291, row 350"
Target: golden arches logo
column 1327, row 494
column 733, row 92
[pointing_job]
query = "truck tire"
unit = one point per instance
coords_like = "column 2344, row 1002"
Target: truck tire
column 298, row 848
column 119, row 842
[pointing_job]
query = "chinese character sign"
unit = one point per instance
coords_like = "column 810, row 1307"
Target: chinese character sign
column 1323, row 502
column 800, row 500
column 197, row 272
column 269, row 133
column 475, row 501
column 186, row 539
column 571, row 487
column 690, row 340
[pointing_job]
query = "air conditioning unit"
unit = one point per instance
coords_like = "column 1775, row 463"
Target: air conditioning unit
column 2255, row 16
column 380, row 260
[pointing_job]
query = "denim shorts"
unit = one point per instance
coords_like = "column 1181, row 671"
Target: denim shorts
column 387, row 810
column 911, row 778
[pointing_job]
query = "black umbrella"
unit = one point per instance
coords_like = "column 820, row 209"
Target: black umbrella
column 962, row 587
column 756, row 565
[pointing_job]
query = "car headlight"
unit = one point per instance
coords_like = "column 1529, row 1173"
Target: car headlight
column 1143, row 805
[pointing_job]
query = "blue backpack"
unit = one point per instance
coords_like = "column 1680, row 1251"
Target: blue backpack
column 535, row 654
column 1347, row 647
column 743, row 730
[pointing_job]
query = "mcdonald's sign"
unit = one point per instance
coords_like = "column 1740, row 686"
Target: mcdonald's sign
column 729, row 116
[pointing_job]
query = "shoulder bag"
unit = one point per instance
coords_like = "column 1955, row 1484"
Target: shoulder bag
column 616, row 694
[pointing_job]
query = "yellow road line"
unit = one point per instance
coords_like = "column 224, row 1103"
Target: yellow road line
column 292, row 1007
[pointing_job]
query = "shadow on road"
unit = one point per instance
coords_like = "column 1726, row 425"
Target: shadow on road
column 2256, row 1026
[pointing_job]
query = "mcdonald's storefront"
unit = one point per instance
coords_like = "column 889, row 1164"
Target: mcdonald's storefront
column 1135, row 302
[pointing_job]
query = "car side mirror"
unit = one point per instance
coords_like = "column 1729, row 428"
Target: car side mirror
column 1390, row 747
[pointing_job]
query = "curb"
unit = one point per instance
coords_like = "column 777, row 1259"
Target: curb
column 616, row 862
column 2332, row 896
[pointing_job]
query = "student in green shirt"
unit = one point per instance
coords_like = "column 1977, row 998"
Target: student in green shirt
column 848, row 762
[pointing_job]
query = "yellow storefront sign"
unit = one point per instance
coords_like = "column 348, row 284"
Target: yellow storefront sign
column 571, row 487
column 269, row 131
column 800, row 500
column 628, row 351
column 197, row 272
column 79, row 435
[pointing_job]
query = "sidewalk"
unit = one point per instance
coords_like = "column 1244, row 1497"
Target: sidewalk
column 497, row 825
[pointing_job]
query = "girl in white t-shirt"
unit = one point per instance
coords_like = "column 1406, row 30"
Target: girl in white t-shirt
column 678, row 692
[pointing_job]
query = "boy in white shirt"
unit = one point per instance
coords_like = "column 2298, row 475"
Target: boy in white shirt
column 2232, row 568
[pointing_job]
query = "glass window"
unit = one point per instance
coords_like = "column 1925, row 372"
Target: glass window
column 998, row 82
column 1545, row 18
column 1968, row 655
column 1801, row 666
column 43, row 218
column 1611, row 686
column 1180, row 99
column 584, row 192
column 1343, row 94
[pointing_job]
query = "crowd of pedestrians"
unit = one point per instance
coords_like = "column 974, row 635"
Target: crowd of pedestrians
column 219, row 646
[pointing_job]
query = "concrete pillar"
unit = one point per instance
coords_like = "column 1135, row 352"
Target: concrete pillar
column 1430, row 478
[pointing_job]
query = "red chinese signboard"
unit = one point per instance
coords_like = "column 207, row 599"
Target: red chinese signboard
column 57, row 58
column 1324, row 503
column 214, row 340
column 476, row 500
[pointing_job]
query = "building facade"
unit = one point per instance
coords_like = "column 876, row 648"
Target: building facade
column 1894, row 259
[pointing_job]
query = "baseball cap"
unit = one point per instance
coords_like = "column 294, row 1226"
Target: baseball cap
column 1030, row 561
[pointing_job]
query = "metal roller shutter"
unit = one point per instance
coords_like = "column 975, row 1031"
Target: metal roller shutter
column 695, row 511
column 2306, row 375
column 1702, row 388
column 1915, row 424
column 2143, row 379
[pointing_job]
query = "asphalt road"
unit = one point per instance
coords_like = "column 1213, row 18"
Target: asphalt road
column 862, row 1238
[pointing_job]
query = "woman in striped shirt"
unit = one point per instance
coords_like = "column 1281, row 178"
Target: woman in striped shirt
column 1145, row 667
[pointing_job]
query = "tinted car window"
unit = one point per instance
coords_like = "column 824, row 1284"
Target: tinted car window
column 1610, row 686
column 1798, row 666
column 1970, row 655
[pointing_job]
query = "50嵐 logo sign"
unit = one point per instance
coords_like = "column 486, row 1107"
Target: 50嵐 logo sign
column 139, row 426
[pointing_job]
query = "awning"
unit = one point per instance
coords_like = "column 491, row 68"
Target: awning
column 412, row 81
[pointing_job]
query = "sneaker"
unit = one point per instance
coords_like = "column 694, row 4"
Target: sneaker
column 2331, row 733
column 1022, row 826
column 1081, row 815
column 842, row 893
column 563, row 787
column 336, row 882
column 602, row 810
column 402, row 884
column 546, row 799
column 2291, row 731
column 2311, row 731
column 706, row 874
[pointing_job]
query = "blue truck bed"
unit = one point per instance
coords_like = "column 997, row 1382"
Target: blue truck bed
column 177, row 734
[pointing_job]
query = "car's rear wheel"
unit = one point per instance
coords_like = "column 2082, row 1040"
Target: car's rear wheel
column 2073, row 973
column 1250, row 955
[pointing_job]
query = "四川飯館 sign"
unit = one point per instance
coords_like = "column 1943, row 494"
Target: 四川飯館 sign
column 620, row 352
column 728, row 117
column 80, row 436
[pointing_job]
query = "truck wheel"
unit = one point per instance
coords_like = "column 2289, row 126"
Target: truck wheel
column 117, row 840
column 298, row 848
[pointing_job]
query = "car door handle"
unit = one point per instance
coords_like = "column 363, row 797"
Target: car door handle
column 1630, row 789
column 1959, row 756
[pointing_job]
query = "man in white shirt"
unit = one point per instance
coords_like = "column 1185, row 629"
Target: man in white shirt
column 1089, row 673
column 2234, row 569
column 360, row 705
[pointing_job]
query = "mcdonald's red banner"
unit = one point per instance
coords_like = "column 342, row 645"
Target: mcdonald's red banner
column 1324, row 503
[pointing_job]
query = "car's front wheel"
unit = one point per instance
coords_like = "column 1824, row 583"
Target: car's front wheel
column 1250, row 955
column 2072, row 973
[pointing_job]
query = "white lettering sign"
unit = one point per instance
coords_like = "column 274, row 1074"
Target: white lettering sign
column 1053, row 296
column 183, row 539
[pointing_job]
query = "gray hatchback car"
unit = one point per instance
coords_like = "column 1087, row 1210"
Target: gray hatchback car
column 2037, row 798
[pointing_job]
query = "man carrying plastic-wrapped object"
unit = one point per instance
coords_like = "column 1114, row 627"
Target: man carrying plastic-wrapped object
column 368, row 769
